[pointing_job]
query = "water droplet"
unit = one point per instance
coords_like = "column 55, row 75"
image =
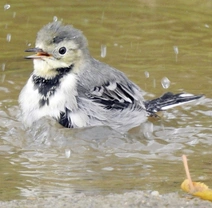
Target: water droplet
column 8, row 37
column 206, row 25
column 67, row 153
column 55, row 18
column 3, row 66
column 154, row 83
column 14, row 14
column 176, row 49
column 165, row 82
column 6, row 7
column 146, row 73
column 103, row 51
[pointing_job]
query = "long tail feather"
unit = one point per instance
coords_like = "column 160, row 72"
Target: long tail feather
column 169, row 100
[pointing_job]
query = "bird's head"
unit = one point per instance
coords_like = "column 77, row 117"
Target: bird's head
column 58, row 46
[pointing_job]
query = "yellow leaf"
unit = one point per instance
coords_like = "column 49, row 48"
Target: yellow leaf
column 206, row 194
column 195, row 188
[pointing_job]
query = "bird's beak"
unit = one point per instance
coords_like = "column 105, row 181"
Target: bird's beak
column 39, row 53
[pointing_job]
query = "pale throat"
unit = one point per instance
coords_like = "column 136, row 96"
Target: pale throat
column 46, row 67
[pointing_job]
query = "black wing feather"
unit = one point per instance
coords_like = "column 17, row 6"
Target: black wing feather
column 113, row 95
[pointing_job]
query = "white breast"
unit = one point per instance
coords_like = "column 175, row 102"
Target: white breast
column 64, row 97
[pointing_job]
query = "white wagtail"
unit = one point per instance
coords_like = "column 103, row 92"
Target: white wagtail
column 77, row 90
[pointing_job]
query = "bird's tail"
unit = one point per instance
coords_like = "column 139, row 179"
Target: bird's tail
column 169, row 100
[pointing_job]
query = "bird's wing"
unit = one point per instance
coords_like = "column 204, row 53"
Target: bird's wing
column 114, row 95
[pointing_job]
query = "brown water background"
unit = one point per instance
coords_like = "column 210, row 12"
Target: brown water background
column 149, row 40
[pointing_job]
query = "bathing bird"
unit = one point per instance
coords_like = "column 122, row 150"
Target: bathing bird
column 70, row 86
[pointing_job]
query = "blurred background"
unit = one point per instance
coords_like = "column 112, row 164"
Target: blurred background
column 162, row 46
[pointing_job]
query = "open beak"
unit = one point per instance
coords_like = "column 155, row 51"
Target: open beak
column 39, row 53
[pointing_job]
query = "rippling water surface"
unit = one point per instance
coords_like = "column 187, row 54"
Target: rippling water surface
column 150, row 41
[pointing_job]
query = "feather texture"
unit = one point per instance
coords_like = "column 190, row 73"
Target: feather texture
column 77, row 90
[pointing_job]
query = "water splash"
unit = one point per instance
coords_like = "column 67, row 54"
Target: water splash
column 6, row 7
column 165, row 82
column 8, row 37
column 103, row 51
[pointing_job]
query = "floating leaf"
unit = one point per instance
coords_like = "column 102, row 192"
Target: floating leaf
column 195, row 188
column 207, row 194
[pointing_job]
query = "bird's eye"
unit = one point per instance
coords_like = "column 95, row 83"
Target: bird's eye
column 62, row 50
